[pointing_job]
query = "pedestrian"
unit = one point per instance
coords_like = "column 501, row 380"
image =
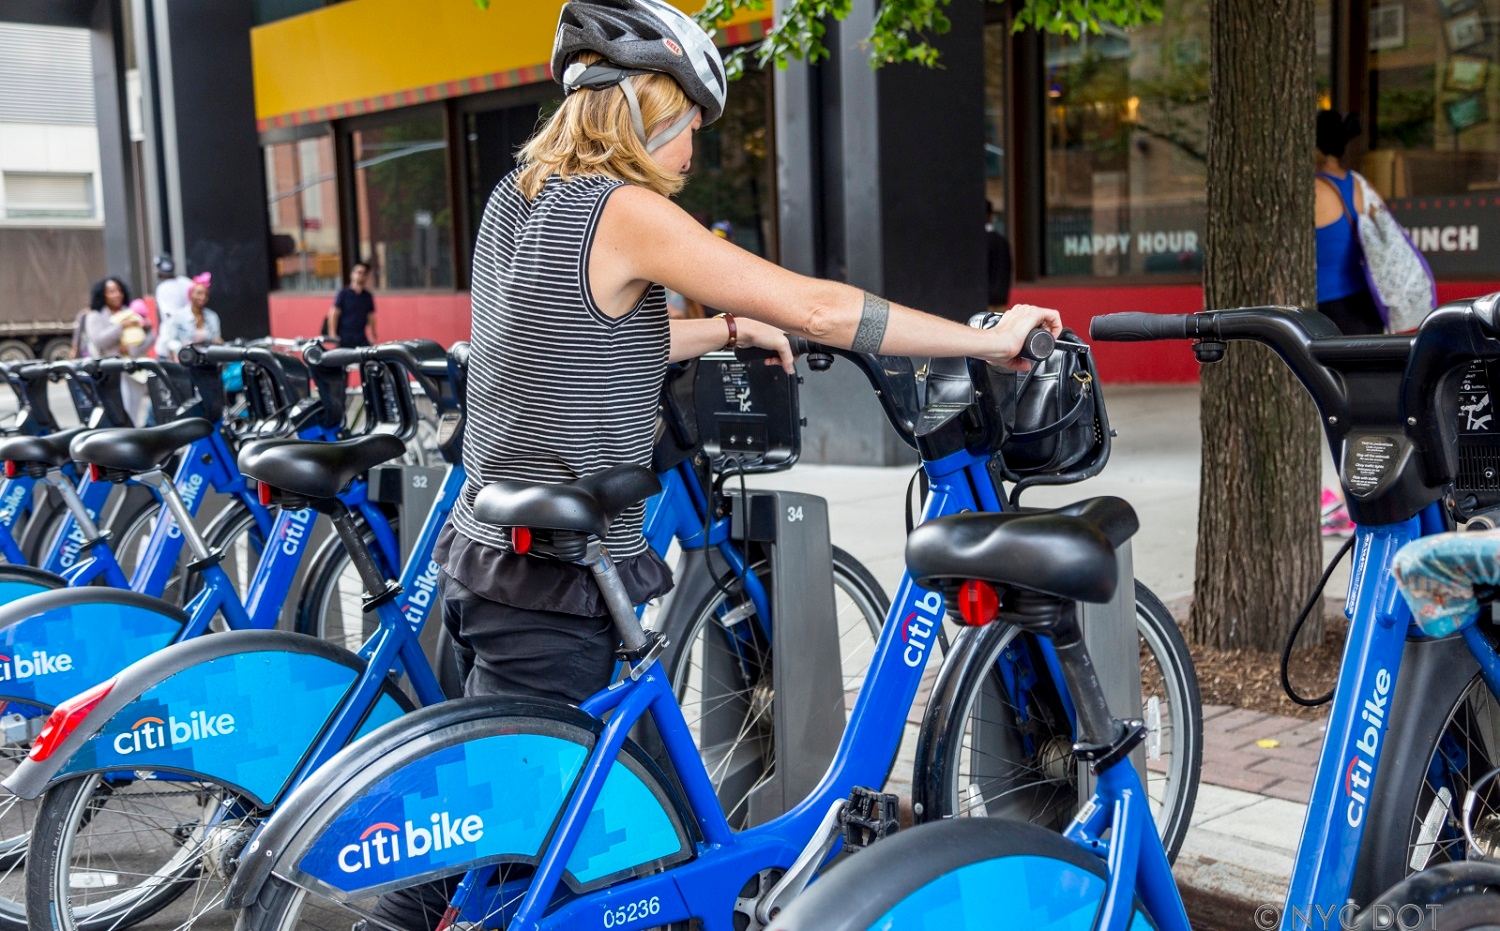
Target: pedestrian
column 193, row 325
column 171, row 289
column 1343, row 292
column 351, row 319
column 571, row 342
column 116, row 326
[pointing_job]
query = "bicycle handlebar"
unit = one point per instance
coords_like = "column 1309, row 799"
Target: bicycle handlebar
column 424, row 359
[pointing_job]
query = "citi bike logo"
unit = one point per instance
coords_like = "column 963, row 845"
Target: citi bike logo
column 385, row 843
column 73, row 545
column 189, row 492
column 10, row 506
column 152, row 733
column 294, row 533
column 1361, row 768
column 917, row 629
column 39, row 663
column 422, row 592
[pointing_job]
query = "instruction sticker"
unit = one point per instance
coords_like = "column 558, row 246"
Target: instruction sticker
column 1368, row 463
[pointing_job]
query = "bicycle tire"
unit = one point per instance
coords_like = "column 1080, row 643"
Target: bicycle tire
column 971, row 871
column 332, row 581
column 861, row 592
column 1474, row 911
column 1439, row 695
column 1041, row 785
column 77, row 805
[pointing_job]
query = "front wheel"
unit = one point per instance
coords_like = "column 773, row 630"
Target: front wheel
column 960, row 876
column 996, row 740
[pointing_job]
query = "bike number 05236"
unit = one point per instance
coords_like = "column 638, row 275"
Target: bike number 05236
column 625, row 914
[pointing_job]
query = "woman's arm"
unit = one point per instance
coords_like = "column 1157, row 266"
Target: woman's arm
column 644, row 237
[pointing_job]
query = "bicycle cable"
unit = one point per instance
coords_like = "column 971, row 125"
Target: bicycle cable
column 1291, row 637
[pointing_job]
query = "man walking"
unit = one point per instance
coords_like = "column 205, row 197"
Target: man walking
column 351, row 319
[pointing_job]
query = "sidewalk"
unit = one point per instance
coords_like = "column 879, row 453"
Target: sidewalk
column 1252, row 800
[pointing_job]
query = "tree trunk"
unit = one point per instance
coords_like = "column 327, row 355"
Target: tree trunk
column 1258, row 539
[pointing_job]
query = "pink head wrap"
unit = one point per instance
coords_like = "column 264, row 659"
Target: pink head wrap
column 204, row 278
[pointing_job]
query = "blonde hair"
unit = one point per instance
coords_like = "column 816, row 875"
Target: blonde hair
column 592, row 134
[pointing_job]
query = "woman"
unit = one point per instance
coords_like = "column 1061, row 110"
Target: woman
column 193, row 324
column 1343, row 294
column 571, row 338
column 115, row 326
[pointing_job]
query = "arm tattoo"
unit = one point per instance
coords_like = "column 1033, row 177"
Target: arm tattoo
column 872, row 319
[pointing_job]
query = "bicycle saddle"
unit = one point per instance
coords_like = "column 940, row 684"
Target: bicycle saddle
column 316, row 470
column 586, row 505
column 51, row 449
column 1068, row 552
column 138, row 449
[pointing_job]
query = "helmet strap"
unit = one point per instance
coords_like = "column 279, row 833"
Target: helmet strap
column 666, row 135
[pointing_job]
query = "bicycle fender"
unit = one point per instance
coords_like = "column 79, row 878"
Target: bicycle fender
column 459, row 785
column 241, row 708
column 16, row 582
column 56, row 644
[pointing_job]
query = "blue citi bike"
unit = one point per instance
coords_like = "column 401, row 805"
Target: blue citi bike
column 1409, row 747
column 94, row 826
column 536, row 814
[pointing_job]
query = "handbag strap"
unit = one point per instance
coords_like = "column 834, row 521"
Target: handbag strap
column 1328, row 180
column 1066, row 420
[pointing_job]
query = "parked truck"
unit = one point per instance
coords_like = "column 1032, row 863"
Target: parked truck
column 45, row 275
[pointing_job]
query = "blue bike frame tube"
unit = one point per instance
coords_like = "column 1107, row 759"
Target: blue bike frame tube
column 1484, row 654
column 419, row 577
column 1137, row 864
column 67, row 549
column 15, row 493
column 1357, row 722
column 395, row 642
column 205, row 464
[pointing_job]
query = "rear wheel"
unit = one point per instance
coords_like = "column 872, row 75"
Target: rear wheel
column 722, row 674
column 108, row 853
column 332, row 604
column 996, row 740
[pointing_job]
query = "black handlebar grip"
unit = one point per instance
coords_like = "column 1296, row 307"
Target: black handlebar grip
column 1038, row 345
column 1138, row 327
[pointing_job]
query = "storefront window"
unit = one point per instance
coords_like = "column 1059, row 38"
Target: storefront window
column 1434, row 146
column 730, row 189
column 1127, row 142
column 995, row 37
column 304, row 214
column 401, row 199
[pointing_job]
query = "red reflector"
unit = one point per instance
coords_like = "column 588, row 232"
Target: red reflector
column 264, row 492
column 66, row 717
column 96, row 473
column 520, row 540
column 10, row 469
column 978, row 603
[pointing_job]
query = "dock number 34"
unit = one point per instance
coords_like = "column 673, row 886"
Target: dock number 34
column 793, row 513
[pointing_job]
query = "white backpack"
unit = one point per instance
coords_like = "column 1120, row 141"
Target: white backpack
column 1400, row 280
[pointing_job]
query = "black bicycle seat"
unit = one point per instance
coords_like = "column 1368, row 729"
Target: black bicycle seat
column 314, row 470
column 1068, row 552
column 51, row 449
column 138, row 449
column 586, row 505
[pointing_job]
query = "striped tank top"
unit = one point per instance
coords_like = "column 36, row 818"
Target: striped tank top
column 557, row 390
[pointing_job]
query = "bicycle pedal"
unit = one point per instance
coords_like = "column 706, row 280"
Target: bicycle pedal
column 868, row 817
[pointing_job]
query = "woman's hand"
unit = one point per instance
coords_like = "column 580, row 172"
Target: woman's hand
column 1001, row 345
column 756, row 335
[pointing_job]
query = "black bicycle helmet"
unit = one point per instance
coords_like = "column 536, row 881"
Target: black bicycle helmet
column 640, row 37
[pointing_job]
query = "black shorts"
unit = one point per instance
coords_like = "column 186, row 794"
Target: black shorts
column 504, row 650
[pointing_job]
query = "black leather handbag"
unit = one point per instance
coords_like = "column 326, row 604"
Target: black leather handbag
column 1059, row 432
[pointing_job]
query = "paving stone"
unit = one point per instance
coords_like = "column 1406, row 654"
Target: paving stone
column 1238, row 718
column 1286, row 769
column 1241, row 779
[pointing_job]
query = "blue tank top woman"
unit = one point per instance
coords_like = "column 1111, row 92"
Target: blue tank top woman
column 1343, row 294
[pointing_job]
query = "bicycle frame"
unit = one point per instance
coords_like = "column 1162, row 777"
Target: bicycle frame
column 1380, row 624
column 705, row 888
